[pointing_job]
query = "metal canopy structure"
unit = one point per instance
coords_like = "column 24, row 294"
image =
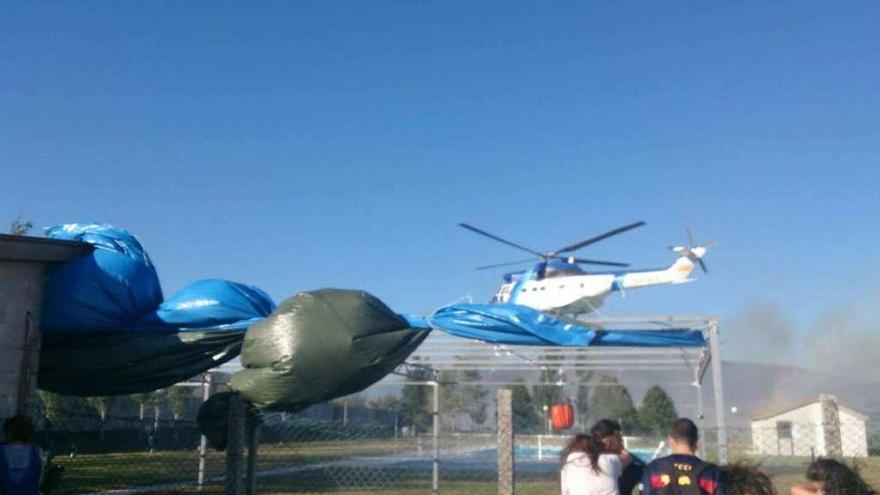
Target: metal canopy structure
column 498, row 363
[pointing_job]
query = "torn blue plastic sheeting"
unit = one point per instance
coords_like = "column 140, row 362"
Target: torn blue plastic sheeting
column 103, row 291
column 521, row 325
column 115, row 290
column 210, row 304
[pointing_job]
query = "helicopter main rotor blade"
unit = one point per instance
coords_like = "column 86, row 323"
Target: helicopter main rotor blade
column 591, row 240
column 503, row 241
column 497, row 265
column 592, row 262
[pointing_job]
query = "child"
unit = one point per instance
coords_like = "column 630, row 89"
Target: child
column 21, row 462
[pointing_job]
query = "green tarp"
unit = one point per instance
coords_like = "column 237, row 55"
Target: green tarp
column 320, row 345
column 116, row 364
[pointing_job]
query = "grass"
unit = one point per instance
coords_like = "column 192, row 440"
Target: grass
column 96, row 472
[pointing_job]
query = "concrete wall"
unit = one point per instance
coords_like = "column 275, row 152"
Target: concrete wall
column 808, row 434
column 853, row 434
column 21, row 287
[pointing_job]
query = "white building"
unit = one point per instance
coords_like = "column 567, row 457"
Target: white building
column 817, row 427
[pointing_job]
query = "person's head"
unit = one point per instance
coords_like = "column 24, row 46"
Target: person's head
column 18, row 429
column 683, row 437
column 609, row 433
column 745, row 479
column 837, row 478
column 593, row 444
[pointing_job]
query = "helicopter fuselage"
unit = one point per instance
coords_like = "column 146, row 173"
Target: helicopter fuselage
column 582, row 293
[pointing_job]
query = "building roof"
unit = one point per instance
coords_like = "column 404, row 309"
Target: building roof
column 40, row 249
column 770, row 413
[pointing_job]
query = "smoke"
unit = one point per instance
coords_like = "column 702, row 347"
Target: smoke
column 845, row 345
column 760, row 333
column 842, row 343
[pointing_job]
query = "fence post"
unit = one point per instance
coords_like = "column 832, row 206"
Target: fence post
column 435, row 481
column 505, row 442
column 253, row 446
column 831, row 426
column 234, row 443
column 203, row 441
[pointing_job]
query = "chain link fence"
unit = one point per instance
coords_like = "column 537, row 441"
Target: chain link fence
column 372, row 443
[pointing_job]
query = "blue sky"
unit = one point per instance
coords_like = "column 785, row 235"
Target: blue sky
column 295, row 146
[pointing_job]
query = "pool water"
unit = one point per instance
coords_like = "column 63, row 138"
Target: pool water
column 553, row 452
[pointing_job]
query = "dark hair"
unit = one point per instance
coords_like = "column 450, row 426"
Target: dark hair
column 837, row 478
column 591, row 444
column 744, row 478
column 18, row 429
column 684, row 430
column 606, row 428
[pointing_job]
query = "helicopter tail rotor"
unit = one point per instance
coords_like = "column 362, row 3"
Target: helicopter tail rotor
column 694, row 252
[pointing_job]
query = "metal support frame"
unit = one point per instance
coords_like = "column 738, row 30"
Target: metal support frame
column 718, row 389
column 442, row 351
column 435, row 460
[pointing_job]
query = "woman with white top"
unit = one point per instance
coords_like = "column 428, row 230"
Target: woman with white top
column 592, row 463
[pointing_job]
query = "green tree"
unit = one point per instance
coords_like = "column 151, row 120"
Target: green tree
column 613, row 401
column 53, row 407
column 102, row 405
column 176, row 397
column 583, row 398
column 525, row 415
column 19, row 226
column 463, row 399
column 658, row 411
column 547, row 393
column 452, row 401
column 386, row 402
column 416, row 400
column 142, row 400
column 475, row 397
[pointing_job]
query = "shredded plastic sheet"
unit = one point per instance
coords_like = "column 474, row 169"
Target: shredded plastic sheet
column 106, row 329
column 320, row 345
column 104, row 291
column 108, row 364
column 521, row 325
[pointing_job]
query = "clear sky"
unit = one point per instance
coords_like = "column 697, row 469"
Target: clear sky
column 295, row 146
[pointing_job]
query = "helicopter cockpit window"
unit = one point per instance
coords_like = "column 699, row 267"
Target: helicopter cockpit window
column 552, row 272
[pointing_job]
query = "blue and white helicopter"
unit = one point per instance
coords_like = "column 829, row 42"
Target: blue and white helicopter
column 558, row 285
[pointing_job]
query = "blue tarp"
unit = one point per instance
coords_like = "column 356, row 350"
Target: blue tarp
column 107, row 330
column 108, row 289
column 521, row 325
column 115, row 290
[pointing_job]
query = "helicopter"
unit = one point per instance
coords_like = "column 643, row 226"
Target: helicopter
column 557, row 284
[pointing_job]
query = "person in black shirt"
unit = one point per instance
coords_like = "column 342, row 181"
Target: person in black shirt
column 682, row 473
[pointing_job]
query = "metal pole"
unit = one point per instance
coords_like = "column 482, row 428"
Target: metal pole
column 700, row 413
column 435, row 482
column 718, row 388
column 505, row 442
column 234, row 444
column 253, row 445
column 540, row 448
column 203, row 442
